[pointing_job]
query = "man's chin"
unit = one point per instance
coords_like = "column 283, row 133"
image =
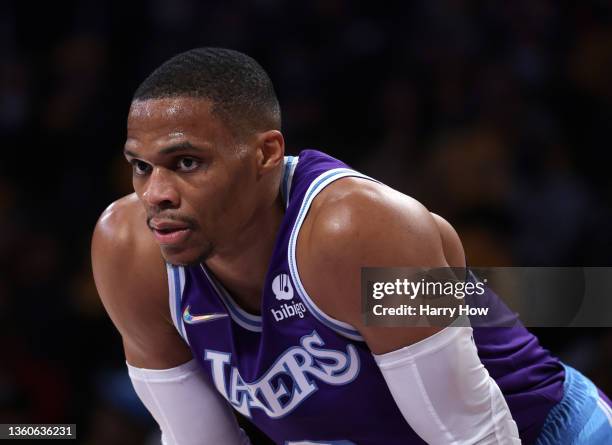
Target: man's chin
column 184, row 257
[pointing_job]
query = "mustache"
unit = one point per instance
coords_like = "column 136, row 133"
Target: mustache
column 191, row 223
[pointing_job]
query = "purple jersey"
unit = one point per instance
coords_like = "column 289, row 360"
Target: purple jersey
column 302, row 376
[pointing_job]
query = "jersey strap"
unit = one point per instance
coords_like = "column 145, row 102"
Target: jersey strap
column 320, row 182
column 176, row 285
column 288, row 170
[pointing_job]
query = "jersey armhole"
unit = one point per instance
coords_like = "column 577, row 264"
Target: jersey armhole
column 176, row 285
column 322, row 181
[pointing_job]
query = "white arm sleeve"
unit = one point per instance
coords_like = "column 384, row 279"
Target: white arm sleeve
column 187, row 408
column 445, row 392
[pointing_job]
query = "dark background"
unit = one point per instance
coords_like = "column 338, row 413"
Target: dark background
column 494, row 114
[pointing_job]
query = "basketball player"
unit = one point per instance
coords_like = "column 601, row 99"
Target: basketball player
column 233, row 276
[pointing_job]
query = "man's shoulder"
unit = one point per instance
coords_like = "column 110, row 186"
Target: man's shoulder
column 357, row 223
column 130, row 276
column 121, row 221
column 354, row 212
column 123, row 249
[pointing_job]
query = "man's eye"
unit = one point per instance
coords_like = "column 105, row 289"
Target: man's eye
column 187, row 164
column 140, row 167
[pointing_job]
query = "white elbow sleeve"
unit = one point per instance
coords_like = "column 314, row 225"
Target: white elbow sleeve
column 187, row 408
column 445, row 392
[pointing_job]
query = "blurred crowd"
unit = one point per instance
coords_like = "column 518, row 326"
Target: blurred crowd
column 493, row 114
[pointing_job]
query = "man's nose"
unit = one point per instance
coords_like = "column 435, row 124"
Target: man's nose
column 160, row 190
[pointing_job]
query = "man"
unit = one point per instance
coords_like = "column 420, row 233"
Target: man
column 260, row 257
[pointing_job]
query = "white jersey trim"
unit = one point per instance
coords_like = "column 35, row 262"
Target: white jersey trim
column 176, row 286
column 322, row 181
column 290, row 163
column 244, row 319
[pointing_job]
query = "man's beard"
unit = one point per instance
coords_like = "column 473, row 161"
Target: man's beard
column 199, row 258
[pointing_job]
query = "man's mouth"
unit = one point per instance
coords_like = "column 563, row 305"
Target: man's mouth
column 169, row 232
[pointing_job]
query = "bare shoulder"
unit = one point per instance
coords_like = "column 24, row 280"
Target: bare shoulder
column 117, row 222
column 453, row 248
column 130, row 276
column 358, row 219
column 357, row 223
column 122, row 244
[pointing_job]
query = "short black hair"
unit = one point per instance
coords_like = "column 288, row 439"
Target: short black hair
column 241, row 92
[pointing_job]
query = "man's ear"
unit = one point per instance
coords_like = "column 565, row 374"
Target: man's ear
column 270, row 150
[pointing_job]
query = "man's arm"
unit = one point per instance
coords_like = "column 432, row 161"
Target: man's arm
column 130, row 275
column 356, row 223
column 434, row 373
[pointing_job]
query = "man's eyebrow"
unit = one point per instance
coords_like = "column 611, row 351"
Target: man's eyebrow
column 182, row 146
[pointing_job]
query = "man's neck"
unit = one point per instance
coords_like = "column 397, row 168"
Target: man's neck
column 242, row 270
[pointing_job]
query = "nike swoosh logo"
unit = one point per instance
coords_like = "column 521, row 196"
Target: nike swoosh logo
column 195, row 319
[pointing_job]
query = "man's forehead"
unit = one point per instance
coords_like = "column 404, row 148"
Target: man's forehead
column 168, row 121
column 170, row 108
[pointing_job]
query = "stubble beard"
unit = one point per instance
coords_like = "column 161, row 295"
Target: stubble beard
column 199, row 257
